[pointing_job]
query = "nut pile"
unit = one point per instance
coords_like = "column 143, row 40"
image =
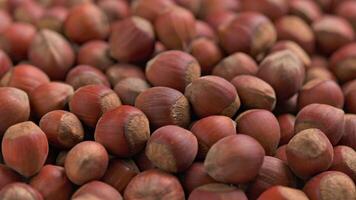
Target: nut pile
column 178, row 99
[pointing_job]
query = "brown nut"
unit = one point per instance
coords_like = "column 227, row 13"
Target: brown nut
column 195, row 176
column 234, row 65
column 8, row 176
column 132, row 40
column 28, row 12
column 91, row 101
column 150, row 9
column 129, row 88
column 284, row 71
column 283, row 193
column 347, row 9
column 143, row 186
column 220, row 96
column 256, row 34
column 281, row 153
column 344, row 161
column 85, row 162
column 164, row 106
column 203, row 29
column 174, row 69
column 53, row 19
column 96, row 54
column 96, row 190
column 342, row 63
column 272, row 9
column 143, row 163
column 19, row 191
column 309, row 11
column 217, row 191
column 287, row 106
column 328, row 119
column 63, row 129
column 286, row 123
column 52, row 183
column 176, row 145
column 321, row 73
column 223, row 161
column 118, row 72
column 83, row 75
column 5, row 19
column 25, row 148
column 114, row 10
column 309, row 146
column 330, row 185
column 5, row 63
column 262, row 125
column 61, row 158
column 123, row 131
column 349, row 137
column 217, row 18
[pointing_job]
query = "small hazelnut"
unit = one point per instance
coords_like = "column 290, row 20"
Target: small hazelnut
column 19, row 190
column 52, row 53
column 175, row 27
column 309, row 146
column 220, row 96
column 284, row 71
column 349, row 137
column 328, row 119
column 63, row 129
column 254, row 92
column 150, row 9
column 25, row 148
column 344, row 161
column 118, row 72
column 294, row 28
column 52, row 183
column 132, row 40
column 211, row 129
column 223, row 161
column 286, row 124
column 85, row 162
column 234, row 65
column 262, row 125
column 24, row 77
column 330, row 185
column 114, row 9
column 50, row 96
column 8, row 176
column 123, row 131
column 282, row 192
column 330, row 39
column 14, row 107
column 96, row 54
column 86, row 22
column 154, row 184
column 342, row 64
column 129, row 88
column 217, row 191
column 164, row 106
column 272, row 9
column 91, row 101
column 83, row 75
column 120, row 173
column 96, row 190
column 256, row 34
column 174, row 69
column 195, row 176
column 53, row 19
column 308, row 10
column 176, row 145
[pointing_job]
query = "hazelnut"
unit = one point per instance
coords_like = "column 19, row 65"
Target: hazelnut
column 319, row 61
column 50, row 96
column 120, row 173
column 96, row 54
column 16, row 40
column 212, row 6
column 347, row 9
column 256, row 34
column 159, row 48
column 330, row 39
column 176, row 145
column 320, row 73
column 96, row 190
column 91, row 101
column 217, row 18
column 234, row 65
column 118, row 72
column 217, row 191
column 195, row 176
column 143, row 163
column 28, row 12
column 344, row 161
column 52, row 53
column 19, row 190
column 342, row 64
column 349, row 137
column 272, row 9
column 309, row 146
column 328, row 119
column 52, row 183
column 254, row 92
column 330, row 185
column 175, row 27
column 150, row 9
column 24, row 77
column 85, row 162
column 5, row 63
column 322, row 92
column 53, row 19
column 193, row 6
column 83, row 75
column 114, row 10
column 86, row 22
column 211, row 129
column 294, row 28
column 7, row 176
column 223, row 161
column 282, row 192
column 286, row 124
column 63, row 129
column 220, row 96
column 284, row 71
column 203, row 29
column 14, row 107
column 132, row 40
column 129, row 88
column 287, row 106
column 281, row 153
column 25, row 148
column 164, row 106
column 123, row 131
column 5, row 20
column 308, row 10
column 174, row 69
column 144, row 186
column 61, row 158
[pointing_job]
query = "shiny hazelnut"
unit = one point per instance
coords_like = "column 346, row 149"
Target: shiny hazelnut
column 217, row 191
column 19, row 190
column 129, row 88
column 96, row 190
column 83, row 75
column 96, row 54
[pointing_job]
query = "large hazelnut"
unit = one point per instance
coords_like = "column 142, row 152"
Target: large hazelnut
column 96, row 190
